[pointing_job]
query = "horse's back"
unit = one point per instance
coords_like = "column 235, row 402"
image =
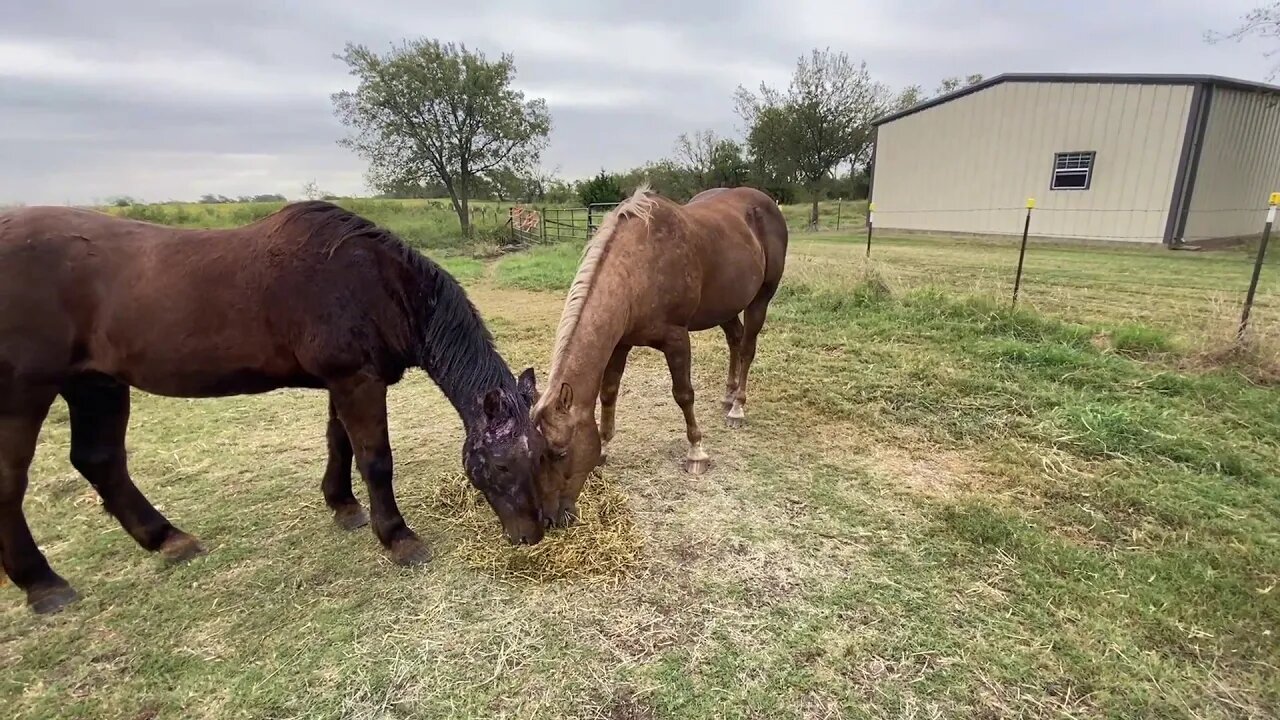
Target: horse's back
column 733, row 210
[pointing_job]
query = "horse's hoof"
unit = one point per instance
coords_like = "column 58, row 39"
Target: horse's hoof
column 410, row 551
column 698, row 466
column 180, row 547
column 48, row 600
column 351, row 517
column 735, row 423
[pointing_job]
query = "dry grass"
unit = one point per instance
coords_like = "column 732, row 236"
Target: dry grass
column 603, row 543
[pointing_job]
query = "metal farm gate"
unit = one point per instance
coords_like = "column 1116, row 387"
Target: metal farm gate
column 533, row 226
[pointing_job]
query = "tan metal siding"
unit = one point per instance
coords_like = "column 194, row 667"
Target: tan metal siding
column 1239, row 166
column 969, row 165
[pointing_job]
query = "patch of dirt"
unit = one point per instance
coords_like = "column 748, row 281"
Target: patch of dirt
column 522, row 307
column 931, row 471
column 627, row 705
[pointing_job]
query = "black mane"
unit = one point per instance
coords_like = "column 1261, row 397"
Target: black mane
column 454, row 345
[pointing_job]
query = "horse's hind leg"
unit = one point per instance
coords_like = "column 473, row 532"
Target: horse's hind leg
column 754, row 315
column 733, row 337
column 23, row 562
column 336, row 485
column 676, row 348
column 99, row 409
column 609, row 397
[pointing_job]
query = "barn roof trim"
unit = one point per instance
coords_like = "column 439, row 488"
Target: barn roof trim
column 1098, row 78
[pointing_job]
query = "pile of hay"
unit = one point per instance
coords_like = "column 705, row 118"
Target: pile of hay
column 603, row 543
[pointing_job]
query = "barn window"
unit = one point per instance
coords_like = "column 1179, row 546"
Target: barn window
column 1072, row 171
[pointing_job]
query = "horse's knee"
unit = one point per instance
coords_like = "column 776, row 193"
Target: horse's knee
column 378, row 466
column 92, row 459
column 683, row 396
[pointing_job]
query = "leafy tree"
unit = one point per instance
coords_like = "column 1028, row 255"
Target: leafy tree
column 557, row 191
column 708, row 161
column 821, row 120
column 603, row 188
column 955, row 82
column 909, row 96
column 414, row 190
column 213, row 199
column 728, row 167
column 668, row 177
column 1262, row 22
column 431, row 111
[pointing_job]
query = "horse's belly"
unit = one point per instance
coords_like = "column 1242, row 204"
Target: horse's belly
column 195, row 384
column 198, row 372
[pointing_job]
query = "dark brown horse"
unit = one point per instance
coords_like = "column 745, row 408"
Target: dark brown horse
column 312, row 296
column 653, row 272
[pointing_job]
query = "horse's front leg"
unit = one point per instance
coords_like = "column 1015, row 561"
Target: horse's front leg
column 361, row 405
column 609, row 397
column 676, row 348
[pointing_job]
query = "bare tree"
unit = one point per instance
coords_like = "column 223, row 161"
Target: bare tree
column 697, row 154
column 1261, row 22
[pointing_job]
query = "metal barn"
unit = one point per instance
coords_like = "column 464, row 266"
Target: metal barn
column 1167, row 159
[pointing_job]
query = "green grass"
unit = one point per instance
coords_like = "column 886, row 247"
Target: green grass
column 424, row 224
column 430, row 224
column 942, row 507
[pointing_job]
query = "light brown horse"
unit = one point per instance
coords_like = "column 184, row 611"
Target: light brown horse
column 653, row 272
column 312, row 296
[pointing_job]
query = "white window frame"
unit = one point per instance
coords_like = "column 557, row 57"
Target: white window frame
column 1068, row 164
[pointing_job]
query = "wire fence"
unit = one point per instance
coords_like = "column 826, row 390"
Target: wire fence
column 1080, row 270
column 1126, row 276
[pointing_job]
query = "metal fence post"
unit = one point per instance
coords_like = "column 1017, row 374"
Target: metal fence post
column 1257, row 266
column 1022, row 252
column 871, row 216
column 839, row 205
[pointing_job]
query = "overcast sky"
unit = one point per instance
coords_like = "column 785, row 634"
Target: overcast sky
column 170, row 100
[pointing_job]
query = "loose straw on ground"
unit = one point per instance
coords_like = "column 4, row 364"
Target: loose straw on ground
column 603, row 543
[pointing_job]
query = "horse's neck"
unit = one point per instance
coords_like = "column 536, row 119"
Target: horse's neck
column 466, row 399
column 599, row 328
column 455, row 351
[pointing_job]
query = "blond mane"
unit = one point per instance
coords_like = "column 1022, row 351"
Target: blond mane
column 640, row 206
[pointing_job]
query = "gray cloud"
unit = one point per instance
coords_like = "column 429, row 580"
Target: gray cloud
column 171, row 100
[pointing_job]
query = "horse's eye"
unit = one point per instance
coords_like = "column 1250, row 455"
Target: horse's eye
column 501, row 468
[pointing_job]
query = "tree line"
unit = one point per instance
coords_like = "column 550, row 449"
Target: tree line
column 436, row 119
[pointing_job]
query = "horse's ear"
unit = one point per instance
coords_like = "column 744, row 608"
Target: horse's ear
column 565, row 401
column 492, row 404
column 527, row 384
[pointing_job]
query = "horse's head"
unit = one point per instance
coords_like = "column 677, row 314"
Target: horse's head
column 572, row 450
column 502, row 460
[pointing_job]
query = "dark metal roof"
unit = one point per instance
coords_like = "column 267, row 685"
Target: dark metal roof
column 1122, row 79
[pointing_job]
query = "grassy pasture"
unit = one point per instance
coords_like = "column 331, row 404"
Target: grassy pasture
column 940, row 508
column 425, row 224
